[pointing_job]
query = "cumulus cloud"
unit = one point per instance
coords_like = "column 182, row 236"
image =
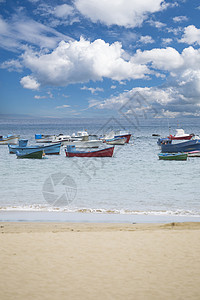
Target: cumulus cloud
column 28, row 82
column 147, row 39
column 166, row 41
column 181, row 91
column 92, row 90
column 127, row 13
column 164, row 59
column 82, row 61
column 191, row 35
column 156, row 24
column 179, row 19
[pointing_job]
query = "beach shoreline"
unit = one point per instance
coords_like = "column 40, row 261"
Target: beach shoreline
column 62, row 260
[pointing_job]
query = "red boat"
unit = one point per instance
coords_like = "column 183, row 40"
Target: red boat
column 72, row 152
column 119, row 134
column 126, row 136
column 180, row 135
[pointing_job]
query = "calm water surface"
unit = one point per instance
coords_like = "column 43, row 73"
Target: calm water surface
column 134, row 181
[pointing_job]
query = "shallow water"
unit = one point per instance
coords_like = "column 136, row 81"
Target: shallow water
column 134, row 181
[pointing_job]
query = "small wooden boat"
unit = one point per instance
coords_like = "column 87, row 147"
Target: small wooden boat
column 44, row 138
column 72, row 152
column 173, row 156
column 9, row 139
column 119, row 134
column 52, row 149
column 37, row 154
column 116, row 141
column 194, row 154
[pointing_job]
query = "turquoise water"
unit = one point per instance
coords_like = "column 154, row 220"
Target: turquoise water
column 134, row 181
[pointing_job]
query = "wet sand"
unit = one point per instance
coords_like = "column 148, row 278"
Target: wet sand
column 99, row 261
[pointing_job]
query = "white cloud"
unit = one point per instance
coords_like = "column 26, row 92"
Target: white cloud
column 63, row 11
column 28, row 82
column 156, row 24
column 127, row 13
column 92, row 90
column 166, row 41
column 191, row 35
column 12, row 65
column 63, row 106
column 22, row 30
column 39, row 97
column 82, row 61
column 146, row 39
column 181, row 91
column 164, row 59
column 180, row 19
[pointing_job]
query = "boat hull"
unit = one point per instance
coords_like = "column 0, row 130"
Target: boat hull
column 173, row 156
column 186, row 137
column 32, row 155
column 108, row 152
column 188, row 146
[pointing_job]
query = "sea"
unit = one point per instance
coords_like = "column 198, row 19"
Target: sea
column 133, row 186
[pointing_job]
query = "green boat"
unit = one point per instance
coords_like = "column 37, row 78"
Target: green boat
column 38, row 154
column 173, row 156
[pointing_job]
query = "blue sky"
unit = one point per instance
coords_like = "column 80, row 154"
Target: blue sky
column 88, row 58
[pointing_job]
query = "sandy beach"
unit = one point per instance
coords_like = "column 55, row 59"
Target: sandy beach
column 99, row 261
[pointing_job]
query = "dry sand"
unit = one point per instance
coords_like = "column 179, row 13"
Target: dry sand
column 99, row 261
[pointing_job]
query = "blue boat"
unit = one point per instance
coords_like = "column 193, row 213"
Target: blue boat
column 53, row 149
column 192, row 145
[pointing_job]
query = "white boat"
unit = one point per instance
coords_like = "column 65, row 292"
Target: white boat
column 84, row 144
column 44, row 138
column 61, row 138
column 116, row 141
column 9, row 139
column 80, row 136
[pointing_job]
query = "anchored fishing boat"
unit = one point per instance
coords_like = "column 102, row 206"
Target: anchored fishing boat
column 173, row 156
column 116, row 141
column 9, row 139
column 118, row 134
column 181, row 135
column 36, row 154
column 52, row 149
column 186, row 146
column 194, row 154
column 44, row 138
column 72, row 152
